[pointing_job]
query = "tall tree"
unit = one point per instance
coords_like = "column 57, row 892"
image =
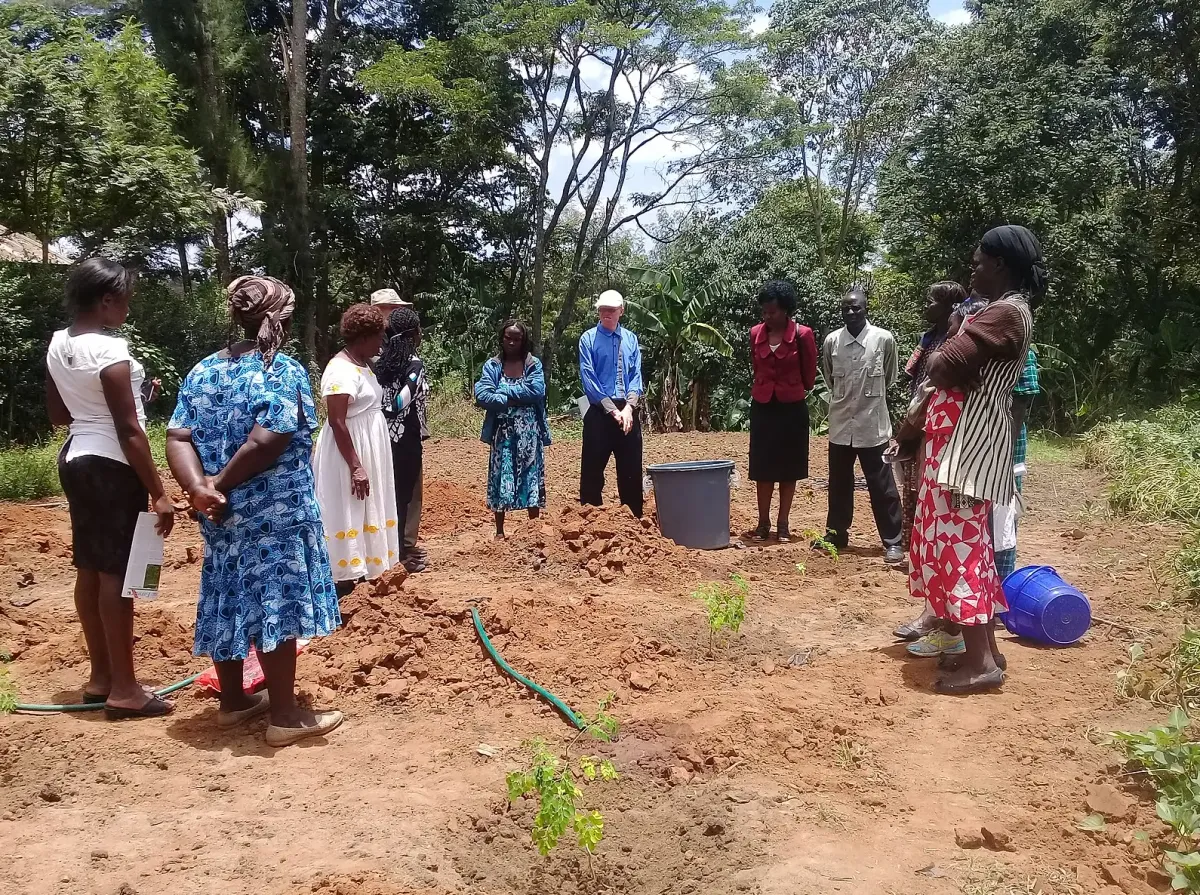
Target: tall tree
column 606, row 86
column 88, row 147
column 844, row 70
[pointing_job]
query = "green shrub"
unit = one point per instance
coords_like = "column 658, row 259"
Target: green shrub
column 29, row 473
column 1153, row 464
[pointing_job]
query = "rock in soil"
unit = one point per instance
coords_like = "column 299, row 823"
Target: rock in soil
column 393, row 691
column 968, row 838
column 642, row 678
column 996, row 837
column 1107, row 800
column 50, row 793
column 678, row 776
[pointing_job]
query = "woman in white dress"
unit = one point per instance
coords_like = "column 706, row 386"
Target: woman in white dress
column 353, row 462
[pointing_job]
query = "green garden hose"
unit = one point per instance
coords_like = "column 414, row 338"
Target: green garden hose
column 562, row 707
column 92, row 706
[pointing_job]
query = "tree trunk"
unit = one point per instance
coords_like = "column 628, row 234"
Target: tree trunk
column 670, row 398
column 220, row 240
column 185, row 272
column 298, row 120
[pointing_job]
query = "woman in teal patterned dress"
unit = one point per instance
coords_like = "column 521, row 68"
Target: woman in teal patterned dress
column 240, row 445
column 512, row 389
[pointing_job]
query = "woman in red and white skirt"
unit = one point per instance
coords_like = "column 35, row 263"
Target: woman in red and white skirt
column 968, row 463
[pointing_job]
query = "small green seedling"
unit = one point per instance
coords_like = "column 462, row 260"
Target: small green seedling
column 726, row 605
column 8, row 693
column 822, row 542
column 603, row 726
column 802, row 568
column 552, row 779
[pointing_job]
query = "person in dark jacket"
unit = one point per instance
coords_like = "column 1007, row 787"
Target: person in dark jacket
column 512, row 389
column 783, row 354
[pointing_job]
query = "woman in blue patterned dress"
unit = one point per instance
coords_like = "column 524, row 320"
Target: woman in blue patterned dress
column 240, row 445
column 512, row 389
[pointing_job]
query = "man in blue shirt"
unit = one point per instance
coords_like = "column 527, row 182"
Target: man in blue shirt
column 610, row 367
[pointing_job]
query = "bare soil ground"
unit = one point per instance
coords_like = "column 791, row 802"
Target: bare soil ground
column 738, row 772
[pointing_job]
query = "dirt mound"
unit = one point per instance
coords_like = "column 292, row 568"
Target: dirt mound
column 397, row 644
column 162, row 644
column 448, row 507
column 606, row 542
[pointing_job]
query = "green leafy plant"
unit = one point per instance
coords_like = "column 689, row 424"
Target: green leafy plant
column 1171, row 760
column 1131, row 682
column 821, row 542
column 602, row 726
column 553, row 781
column 726, row 605
column 8, row 693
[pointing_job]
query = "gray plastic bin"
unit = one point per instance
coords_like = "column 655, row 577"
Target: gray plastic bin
column 693, row 502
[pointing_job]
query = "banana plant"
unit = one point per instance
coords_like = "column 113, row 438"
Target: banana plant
column 677, row 318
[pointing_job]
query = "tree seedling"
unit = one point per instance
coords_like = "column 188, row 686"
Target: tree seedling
column 726, row 605
column 821, row 542
column 553, row 780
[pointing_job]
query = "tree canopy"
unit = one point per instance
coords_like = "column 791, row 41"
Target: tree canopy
column 505, row 159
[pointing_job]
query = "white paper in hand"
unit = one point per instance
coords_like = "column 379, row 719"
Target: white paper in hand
column 145, row 560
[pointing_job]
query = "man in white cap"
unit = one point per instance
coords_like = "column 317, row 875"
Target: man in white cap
column 610, row 368
column 415, row 557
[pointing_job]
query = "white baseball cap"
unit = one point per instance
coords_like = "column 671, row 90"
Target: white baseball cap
column 610, row 298
column 389, row 297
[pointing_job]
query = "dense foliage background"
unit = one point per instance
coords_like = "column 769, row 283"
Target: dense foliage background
column 491, row 159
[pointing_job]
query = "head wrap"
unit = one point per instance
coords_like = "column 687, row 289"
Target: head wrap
column 1021, row 251
column 264, row 302
column 402, row 328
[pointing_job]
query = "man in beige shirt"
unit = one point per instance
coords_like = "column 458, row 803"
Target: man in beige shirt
column 859, row 363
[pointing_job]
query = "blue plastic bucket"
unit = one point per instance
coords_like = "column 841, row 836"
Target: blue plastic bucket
column 1043, row 607
column 692, row 498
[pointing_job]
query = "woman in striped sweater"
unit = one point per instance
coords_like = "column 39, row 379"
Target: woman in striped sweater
column 969, row 454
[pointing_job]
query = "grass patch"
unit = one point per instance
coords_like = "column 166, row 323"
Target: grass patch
column 1153, row 464
column 31, row 473
column 1047, row 447
column 1154, row 471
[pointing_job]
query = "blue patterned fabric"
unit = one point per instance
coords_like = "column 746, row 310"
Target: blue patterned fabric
column 266, row 576
column 516, row 469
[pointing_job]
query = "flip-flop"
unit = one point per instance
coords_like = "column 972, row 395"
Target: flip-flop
column 950, row 662
column 991, row 681
column 94, row 698
column 761, row 533
column 783, row 535
column 153, row 708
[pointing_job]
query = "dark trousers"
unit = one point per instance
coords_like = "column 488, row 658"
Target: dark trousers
column 881, row 484
column 406, row 469
column 602, row 438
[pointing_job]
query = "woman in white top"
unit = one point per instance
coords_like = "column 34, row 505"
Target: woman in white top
column 94, row 386
column 353, row 462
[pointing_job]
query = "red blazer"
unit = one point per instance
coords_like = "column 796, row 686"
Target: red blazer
column 791, row 371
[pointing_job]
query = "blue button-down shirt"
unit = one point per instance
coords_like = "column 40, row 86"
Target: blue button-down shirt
column 598, row 363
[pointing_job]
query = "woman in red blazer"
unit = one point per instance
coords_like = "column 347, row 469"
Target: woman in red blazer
column 784, row 357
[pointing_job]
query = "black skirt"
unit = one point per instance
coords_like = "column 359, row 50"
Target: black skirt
column 778, row 441
column 104, row 497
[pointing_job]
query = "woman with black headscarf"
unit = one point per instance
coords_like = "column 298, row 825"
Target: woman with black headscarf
column 240, row 446
column 405, row 391
column 969, row 455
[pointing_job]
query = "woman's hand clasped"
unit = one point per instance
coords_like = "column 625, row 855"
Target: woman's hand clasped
column 208, row 501
column 360, row 485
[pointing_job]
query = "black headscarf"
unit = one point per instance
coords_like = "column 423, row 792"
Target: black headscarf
column 1020, row 250
column 402, row 328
